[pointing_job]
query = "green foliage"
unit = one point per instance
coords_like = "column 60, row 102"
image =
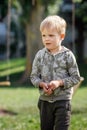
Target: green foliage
column 54, row 8
column 81, row 12
column 27, row 6
column 15, row 4
column 45, row 2
column 3, row 8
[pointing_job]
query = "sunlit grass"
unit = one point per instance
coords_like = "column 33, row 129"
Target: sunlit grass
column 79, row 108
column 12, row 71
column 23, row 102
column 14, row 66
column 12, row 63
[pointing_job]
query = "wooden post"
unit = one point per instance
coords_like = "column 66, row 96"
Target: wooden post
column 5, row 83
column 78, row 85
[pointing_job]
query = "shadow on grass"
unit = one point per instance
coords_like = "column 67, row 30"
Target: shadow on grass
column 7, row 112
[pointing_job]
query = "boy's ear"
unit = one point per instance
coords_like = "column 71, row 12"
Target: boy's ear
column 62, row 36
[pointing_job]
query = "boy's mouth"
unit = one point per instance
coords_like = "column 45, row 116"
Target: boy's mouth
column 48, row 43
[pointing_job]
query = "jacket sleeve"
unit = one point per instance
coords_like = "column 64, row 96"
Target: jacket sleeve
column 35, row 73
column 73, row 71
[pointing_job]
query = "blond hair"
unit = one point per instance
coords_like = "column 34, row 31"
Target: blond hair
column 54, row 22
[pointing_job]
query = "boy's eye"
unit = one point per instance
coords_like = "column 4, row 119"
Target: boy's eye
column 51, row 35
column 43, row 35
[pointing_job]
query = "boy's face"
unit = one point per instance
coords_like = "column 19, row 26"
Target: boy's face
column 51, row 39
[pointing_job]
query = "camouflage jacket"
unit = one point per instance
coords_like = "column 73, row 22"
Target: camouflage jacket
column 47, row 67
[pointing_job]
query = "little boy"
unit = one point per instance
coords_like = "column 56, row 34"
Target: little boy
column 54, row 72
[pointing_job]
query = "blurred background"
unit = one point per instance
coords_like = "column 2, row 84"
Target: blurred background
column 20, row 36
column 20, row 39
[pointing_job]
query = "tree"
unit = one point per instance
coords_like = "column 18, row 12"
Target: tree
column 32, row 13
column 81, row 24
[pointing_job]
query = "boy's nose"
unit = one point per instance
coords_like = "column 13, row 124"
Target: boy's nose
column 47, row 38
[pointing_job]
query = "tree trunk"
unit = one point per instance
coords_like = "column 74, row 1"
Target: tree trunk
column 80, row 41
column 33, row 40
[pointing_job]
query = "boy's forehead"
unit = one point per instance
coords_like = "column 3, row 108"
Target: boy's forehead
column 49, row 30
column 48, row 24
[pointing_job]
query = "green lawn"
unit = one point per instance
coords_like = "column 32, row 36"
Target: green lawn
column 19, row 107
column 79, row 110
column 12, row 69
column 21, row 113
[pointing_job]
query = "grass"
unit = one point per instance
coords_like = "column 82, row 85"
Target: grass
column 13, row 66
column 21, row 103
column 79, row 110
column 14, row 69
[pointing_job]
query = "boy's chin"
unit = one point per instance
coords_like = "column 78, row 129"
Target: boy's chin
column 48, row 49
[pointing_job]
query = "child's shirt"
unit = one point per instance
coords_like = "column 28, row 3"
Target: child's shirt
column 47, row 67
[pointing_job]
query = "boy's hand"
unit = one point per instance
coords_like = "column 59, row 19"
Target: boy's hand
column 49, row 88
column 49, row 91
column 46, row 88
column 55, row 84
